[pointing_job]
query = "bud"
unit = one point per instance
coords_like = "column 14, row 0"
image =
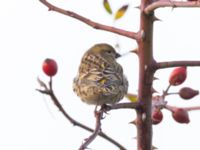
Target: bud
column 180, row 115
column 156, row 116
column 49, row 67
column 187, row 93
column 178, row 76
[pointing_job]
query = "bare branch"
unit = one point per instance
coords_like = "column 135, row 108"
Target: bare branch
column 132, row 105
column 99, row 116
column 150, row 8
column 73, row 121
column 191, row 108
column 169, row 64
column 165, row 92
column 91, row 23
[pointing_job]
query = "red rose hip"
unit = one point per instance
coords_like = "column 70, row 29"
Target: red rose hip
column 156, row 116
column 180, row 115
column 178, row 76
column 49, row 67
column 188, row 93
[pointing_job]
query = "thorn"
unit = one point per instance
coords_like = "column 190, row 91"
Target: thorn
column 137, row 7
column 134, row 51
column 156, row 19
column 153, row 147
column 134, row 122
column 155, row 78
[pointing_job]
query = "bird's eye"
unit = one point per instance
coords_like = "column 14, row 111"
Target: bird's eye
column 109, row 52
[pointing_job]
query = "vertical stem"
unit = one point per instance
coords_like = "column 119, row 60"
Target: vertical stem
column 146, row 72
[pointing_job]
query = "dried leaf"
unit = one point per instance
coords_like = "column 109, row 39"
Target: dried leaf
column 120, row 13
column 107, row 7
column 41, row 83
column 131, row 97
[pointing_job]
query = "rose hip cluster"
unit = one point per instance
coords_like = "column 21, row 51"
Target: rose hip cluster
column 180, row 115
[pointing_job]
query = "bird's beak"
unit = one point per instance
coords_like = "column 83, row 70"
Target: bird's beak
column 117, row 55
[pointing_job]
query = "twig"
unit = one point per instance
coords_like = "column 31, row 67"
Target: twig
column 171, row 108
column 192, row 108
column 162, row 65
column 160, row 3
column 173, row 93
column 50, row 84
column 132, row 105
column 165, row 92
column 99, row 116
column 91, row 23
column 73, row 121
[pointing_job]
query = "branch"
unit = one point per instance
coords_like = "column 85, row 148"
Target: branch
column 99, row 116
column 91, row 23
column 132, row 105
column 165, row 92
column 192, row 108
column 150, row 8
column 171, row 108
column 73, row 121
column 163, row 65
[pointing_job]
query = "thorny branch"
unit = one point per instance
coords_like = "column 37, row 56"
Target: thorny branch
column 168, row 64
column 174, row 4
column 91, row 23
column 49, row 91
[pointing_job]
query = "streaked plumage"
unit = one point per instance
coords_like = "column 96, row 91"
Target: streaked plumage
column 100, row 79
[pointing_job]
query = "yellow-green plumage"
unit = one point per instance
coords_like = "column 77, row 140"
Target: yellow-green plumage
column 100, row 79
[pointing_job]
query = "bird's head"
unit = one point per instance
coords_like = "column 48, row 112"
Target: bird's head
column 105, row 50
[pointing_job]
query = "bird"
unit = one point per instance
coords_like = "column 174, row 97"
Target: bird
column 100, row 79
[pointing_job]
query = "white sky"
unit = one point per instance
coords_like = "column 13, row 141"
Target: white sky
column 29, row 34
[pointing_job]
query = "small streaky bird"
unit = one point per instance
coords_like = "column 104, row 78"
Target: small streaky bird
column 100, row 79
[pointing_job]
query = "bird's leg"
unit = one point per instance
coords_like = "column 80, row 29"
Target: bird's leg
column 95, row 110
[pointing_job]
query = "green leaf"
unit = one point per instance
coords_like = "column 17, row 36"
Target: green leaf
column 131, row 97
column 107, row 6
column 121, row 11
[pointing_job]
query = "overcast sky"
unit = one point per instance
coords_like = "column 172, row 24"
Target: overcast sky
column 29, row 33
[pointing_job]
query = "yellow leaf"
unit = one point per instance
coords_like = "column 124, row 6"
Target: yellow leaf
column 131, row 97
column 120, row 13
column 107, row 6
